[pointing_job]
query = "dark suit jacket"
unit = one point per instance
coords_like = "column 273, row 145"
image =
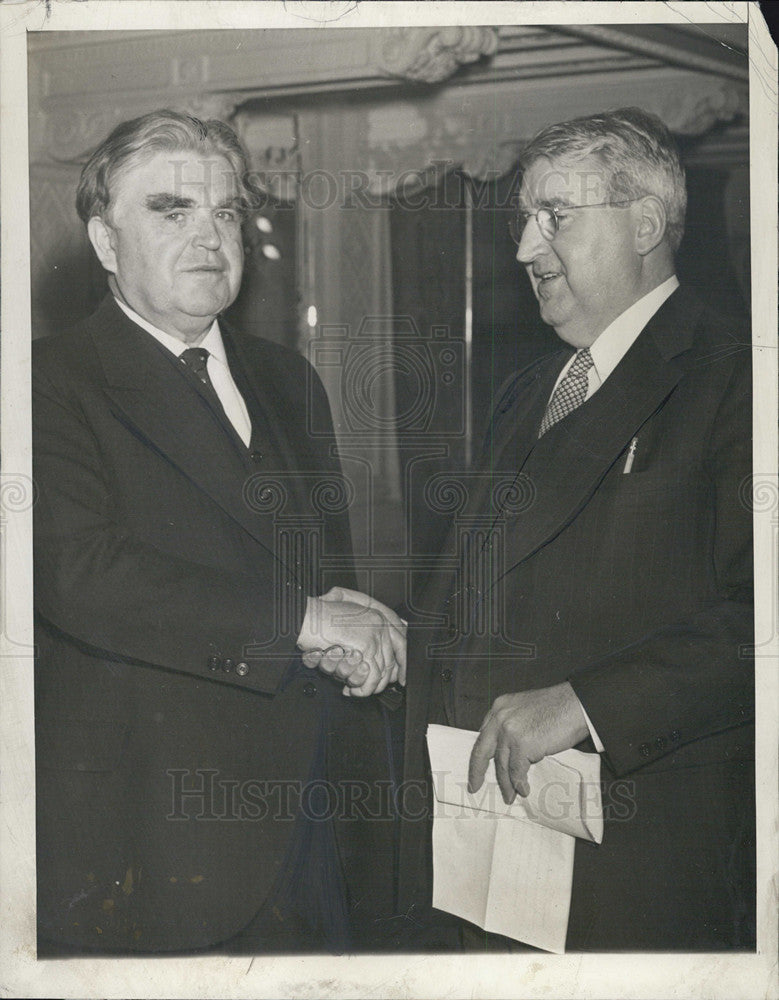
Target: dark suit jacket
column 636, row 588
column 172, row 564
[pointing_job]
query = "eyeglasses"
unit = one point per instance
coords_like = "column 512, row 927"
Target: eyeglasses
column 548, row 220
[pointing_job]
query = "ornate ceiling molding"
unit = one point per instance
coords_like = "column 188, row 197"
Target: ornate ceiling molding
column 532, row 76
column 409, row 144
column 703, row 104
column 272, row 144
column 70, row 134
column 210, row 105
column 430, row 55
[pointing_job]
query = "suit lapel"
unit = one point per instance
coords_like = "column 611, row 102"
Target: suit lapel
column 159, row 403
column 567, row 464
column 513, row 434
column 518, row 415
column 281, row 420
column 284, row 425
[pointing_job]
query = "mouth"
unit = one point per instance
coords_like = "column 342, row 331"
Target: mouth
column 207, row 268
column 544, row 280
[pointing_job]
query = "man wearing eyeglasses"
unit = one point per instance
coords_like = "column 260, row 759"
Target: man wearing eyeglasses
column 623, row 581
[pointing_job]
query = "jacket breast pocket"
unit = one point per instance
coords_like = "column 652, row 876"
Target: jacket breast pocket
column 653, row 491
column 79, row 745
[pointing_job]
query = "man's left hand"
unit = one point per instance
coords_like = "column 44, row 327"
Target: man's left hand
column 519, row 730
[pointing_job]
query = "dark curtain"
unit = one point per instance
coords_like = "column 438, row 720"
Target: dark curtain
column 266, row 305
column 427, row 233
column 704, row 259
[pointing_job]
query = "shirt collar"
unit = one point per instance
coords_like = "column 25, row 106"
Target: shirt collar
column 212, row 341
column 618, row 337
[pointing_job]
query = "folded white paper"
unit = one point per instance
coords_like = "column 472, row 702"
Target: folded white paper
column 509, row 868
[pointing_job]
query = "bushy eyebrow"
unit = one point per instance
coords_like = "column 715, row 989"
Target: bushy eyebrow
column 166, row 202
column 236, row 202
column 558, row 202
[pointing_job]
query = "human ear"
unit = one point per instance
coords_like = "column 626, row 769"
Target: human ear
column 101, row 236
column 652, row 223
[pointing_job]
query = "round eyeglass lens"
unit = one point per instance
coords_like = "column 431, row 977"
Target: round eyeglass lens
column 545, row 219
column 547, row 223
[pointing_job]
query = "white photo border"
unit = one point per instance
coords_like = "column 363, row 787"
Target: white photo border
column 522, row 975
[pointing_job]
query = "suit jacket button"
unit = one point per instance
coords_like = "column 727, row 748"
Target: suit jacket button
column 256, row 456
column 676, row 735
column 446, row 673
column 309, row 689
column 227, row 666
column 242, row 669
column 660, row 742
column 645, row 750
column 214, row 663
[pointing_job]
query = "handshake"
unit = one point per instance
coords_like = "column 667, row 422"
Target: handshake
column 355, row 639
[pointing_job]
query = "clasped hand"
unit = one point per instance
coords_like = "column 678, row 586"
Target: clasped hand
column 356, row 639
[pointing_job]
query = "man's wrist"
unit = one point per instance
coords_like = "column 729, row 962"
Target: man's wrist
column 307, row 636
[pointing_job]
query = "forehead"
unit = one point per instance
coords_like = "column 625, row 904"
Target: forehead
column 558, row 181
column 204, row 179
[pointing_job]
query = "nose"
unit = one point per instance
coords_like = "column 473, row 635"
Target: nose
column 532, row 244
column 206, row 232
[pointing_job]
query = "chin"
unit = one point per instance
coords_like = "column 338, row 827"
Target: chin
column 576, row 338
column 565, row 331
column 569, row 332
column 208, row 305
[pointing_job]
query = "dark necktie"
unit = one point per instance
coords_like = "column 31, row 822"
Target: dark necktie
column 196, row 359
column 570, row 392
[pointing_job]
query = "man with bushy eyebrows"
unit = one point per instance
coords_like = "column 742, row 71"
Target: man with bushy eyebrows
column 184, row 750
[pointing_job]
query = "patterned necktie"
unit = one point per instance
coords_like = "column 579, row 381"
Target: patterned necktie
column 570, row 392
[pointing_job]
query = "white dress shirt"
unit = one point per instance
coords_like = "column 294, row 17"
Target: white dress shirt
column 218, row 370
column 618, row 337
column 607, row 352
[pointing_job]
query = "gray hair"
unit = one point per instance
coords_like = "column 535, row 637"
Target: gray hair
column 159, row 131
column 637, row 151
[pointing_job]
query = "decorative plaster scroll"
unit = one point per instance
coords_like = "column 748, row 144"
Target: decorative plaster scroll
column 411, row 147
column 701, row 105
column 272, row 144
column 70, row 134
column 410, row 144
column 433, row 54
column 221, row 106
